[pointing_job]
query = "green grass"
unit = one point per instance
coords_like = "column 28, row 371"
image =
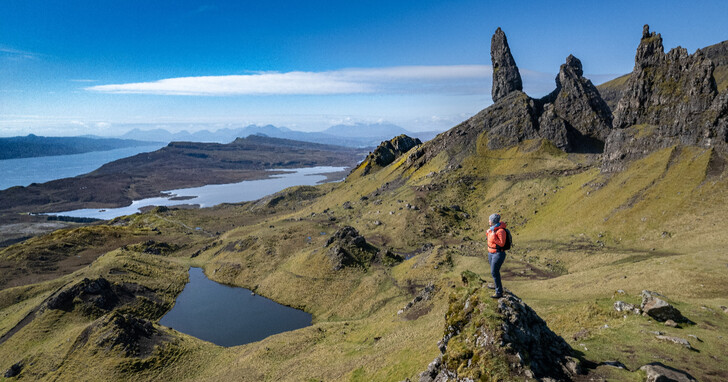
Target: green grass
column 579, row 236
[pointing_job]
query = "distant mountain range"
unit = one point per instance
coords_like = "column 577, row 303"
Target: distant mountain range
column 36, row 146
column 358, row 135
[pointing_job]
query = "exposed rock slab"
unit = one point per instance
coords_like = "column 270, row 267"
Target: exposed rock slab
column 657, row 372
column 388, row 151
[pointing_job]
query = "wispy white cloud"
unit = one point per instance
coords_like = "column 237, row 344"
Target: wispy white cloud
column 401, row 79
column 8, row 52
column 82, row 80
column 443, row 79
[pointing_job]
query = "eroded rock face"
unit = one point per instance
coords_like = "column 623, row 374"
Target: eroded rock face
column 670, row 98
column 506, row 77
column 671, row 90
column 519, row 340
column 390, row 150
column 575, row 112
column 348, row 248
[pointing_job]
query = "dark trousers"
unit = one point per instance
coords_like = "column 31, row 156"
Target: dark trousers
column 496, row 260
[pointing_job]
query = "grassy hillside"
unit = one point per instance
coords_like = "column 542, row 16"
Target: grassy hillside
column 580, row 237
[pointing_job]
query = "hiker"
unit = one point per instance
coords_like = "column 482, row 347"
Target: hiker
column 496, row 254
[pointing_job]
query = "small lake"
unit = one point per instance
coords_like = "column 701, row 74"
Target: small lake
column 214, row 194
column 24, row 171
column 229, row 316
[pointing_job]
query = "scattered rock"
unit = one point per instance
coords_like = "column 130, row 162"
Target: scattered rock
column 616, row 364
column 659, row 309
column 346, row 205
column 671, row 324
column 424, row 295
column 724, row 308
column 14, row 370
column 696, row 337
column 621, row 306
column 677, row 340
column 581, row 334
column 657, row 372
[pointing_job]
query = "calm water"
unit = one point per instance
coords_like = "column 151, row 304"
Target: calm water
column 24, row 171
column 229, row 316
column 214, row 194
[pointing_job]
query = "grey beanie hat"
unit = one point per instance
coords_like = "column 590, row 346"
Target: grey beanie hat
column 495, row 218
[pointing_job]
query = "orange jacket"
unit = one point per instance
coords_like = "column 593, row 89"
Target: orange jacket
column 496, row 238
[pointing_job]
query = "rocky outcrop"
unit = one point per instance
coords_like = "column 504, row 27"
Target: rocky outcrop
column 487, row 339
column 134, row 336
column 670, row 98
column 657, row 372
column 574, row 115
column 506, row 77
column 347, row 248
column 388, row 151
column 654, row 305
column 98, row 293
column 14, row 370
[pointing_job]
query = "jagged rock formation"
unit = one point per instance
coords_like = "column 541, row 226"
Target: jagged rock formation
column 574, row 115
column 517, row 343
column 670, row 98
column 506, row 77
column 388, row 151
column 347, row 248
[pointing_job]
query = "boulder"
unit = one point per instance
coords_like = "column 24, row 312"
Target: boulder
column 657, row 372
column 14, row 370
column 659, row 309
column 621, row 306
column 506, row 77
column 675, row 340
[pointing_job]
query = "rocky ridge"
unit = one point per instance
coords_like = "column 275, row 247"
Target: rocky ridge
column 670, row 99
column 490, row 340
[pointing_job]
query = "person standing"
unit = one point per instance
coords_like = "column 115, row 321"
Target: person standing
column 496, row 255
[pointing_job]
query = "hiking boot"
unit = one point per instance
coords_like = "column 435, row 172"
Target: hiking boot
column 496, row 296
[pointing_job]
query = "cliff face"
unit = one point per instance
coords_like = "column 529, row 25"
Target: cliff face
column 670, row 98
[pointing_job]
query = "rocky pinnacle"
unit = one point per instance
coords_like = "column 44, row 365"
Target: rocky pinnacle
column 506, row 77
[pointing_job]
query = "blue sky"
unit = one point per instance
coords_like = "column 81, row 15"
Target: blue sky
column 96, row 67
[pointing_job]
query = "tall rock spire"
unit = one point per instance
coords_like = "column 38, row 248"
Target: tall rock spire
column 506, row 77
